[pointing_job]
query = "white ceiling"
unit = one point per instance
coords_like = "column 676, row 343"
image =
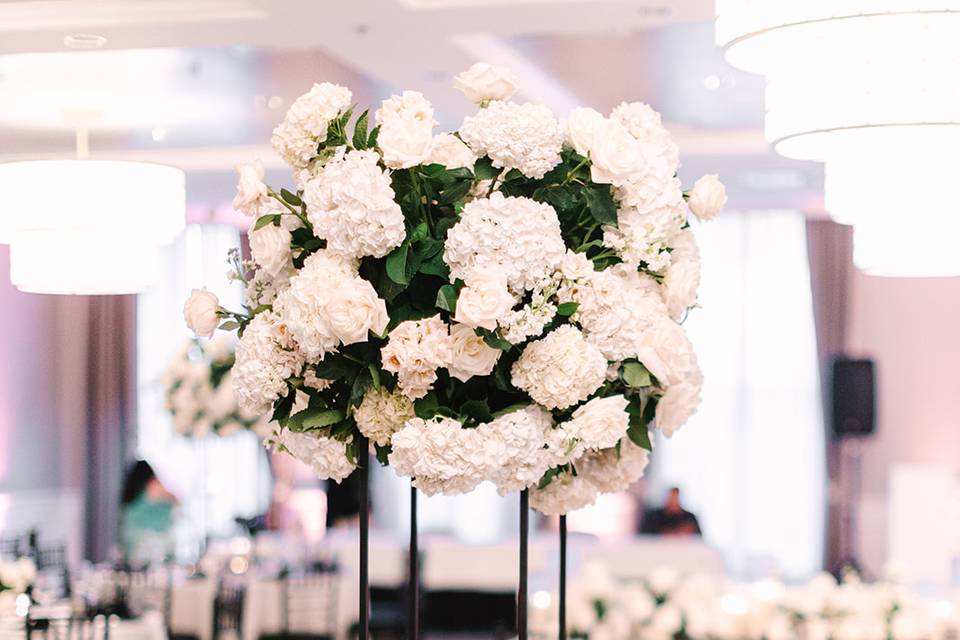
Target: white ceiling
column 205, row 92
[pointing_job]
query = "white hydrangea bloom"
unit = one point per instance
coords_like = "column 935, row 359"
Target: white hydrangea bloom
column 451, row 152
column 600, row 423
column 517, row 236
column 305, row 125
column 415, row 350
column 560, row 369
column 682, row 279
column 351, row 205
column 528, row 321
column 526, row 137
column 327, row 457
column 381, row 414
column 613, row 310
column 611, row 471
column 519, row 437
column 564, row 494
column 266, row 356
column 645, row 124
column 441, row 456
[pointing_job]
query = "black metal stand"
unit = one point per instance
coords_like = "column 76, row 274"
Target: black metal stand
column 363, row 461
column 413, row 588
column 522, row 586
column 563, row 579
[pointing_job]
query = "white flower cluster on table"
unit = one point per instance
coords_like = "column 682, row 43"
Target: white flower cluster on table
column 499, row 303
column 669, row 606
column 198, row 391
column 16, row 576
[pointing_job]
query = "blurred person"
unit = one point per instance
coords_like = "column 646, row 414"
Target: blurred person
column 146, row 516
column 670, row 520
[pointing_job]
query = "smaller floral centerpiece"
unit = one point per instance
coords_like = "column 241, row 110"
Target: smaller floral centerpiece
column 199, row 394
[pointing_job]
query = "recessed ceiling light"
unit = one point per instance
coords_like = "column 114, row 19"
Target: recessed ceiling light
column 158, row 134
column 84, row 41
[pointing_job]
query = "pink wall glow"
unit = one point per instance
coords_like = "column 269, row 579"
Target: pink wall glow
column 911, row 327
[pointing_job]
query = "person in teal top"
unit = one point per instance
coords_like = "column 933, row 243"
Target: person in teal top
column 146, row 517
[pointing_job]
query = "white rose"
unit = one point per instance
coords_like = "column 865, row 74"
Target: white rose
column 485, row 82
column 583, row 124
column 354, row 309
column 707, row 197
column 451, row 152
column 200, row 312
column 251, row 191
column 471, row 355
column 682, row 279
column 270, row 248
column 484, row 300
column 406, row 129
column 601, row 422
column 679, row 402
column 405, row 142
column 576, row 266
column 616, row 156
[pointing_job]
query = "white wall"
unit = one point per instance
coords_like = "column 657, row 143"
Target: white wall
column 912, row 328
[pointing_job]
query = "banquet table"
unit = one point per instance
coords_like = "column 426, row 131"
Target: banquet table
column 451, row 565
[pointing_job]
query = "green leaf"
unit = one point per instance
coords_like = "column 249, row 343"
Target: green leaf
column 601, row 204
column 435, row 266
column 360, row 385
column 567, row 309
column 483, row 169
column 563, row 199
column 291, row 198
column 638, row 434
column 419, row 232
column 372, row 138
column 455, row 192
column 360, row 131
column 383, row 453
column 261, row 308
column 397, row 264
column 447, row 298
column 335, row 367
column 427, row 406
column 270, row 218
column 636, row 375
column 282, row 407
column 311, row 418
column 493, row 340
column 510, row 409
column 374, row 375
column 478, row 410
column 229, row 325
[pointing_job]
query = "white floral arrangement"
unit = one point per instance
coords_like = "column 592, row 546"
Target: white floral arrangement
column 198, row 391
column 499, row 303
column 667, row 605
column 16, row 577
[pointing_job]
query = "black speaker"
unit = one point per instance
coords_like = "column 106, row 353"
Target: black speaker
column 854, row 397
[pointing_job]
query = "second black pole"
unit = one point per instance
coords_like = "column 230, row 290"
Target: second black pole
column 363, row 459
column 522, row 586
column 413, row 615
column 562, row 606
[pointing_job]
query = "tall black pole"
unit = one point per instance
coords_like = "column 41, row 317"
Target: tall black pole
column 413, row 589
column 363, row 460
column 522, row 586
column 563, row 578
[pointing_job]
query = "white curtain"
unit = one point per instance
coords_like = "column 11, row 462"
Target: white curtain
column 216, row 479
column 751, row 463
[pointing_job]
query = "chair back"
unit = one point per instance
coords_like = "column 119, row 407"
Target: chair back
column 310, row 601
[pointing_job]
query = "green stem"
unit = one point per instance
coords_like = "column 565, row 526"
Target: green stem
column 570, row 175
column 493, row 183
